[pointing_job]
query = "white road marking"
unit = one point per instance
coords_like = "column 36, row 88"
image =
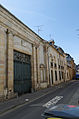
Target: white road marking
column 53, row 101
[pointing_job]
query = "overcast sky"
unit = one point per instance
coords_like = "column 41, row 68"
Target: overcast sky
column 59, row 20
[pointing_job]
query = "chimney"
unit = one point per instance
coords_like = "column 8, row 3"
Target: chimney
column 51, row 42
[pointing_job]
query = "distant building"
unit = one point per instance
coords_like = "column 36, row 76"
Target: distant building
column 71, row 66
column 77, row 69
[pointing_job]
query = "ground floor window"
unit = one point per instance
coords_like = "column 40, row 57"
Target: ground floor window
column 59, row 75
column 67, row 75
column 56, row 75
column 52, row 76
column 62, row 75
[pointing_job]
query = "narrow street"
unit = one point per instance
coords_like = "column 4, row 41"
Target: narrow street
column 34, row 109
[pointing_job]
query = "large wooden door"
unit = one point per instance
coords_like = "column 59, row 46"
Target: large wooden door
column 22, row 73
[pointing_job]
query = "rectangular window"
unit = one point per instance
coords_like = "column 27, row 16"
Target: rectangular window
column 59, row 75
column 55, row 65
column 56, row 75
column 67, row 75
column 52, row 76
column 59, row 66
column 62, row 75
column 51, row 64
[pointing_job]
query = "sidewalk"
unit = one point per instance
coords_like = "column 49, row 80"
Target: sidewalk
column 27, row 98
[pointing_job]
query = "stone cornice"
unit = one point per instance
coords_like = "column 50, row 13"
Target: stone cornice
column 15, row 33
column 20, row 25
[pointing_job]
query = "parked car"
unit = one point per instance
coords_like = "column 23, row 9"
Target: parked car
column 77, row 76
column 62, row 111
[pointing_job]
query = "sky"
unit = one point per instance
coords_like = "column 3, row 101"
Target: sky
column 58, row 20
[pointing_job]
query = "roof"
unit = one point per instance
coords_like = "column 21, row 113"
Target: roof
column 59, row 49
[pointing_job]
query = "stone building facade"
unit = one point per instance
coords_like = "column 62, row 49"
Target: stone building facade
column 27, row 62
column 70, row 66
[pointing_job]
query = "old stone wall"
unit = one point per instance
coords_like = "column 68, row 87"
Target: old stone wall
column 46, row 61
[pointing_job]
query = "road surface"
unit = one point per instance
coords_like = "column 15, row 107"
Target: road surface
column 34, row 109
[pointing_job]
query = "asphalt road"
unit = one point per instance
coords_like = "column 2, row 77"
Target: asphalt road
column 34, row 109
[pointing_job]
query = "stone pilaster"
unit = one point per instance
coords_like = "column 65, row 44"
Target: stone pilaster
column 46, row 63
column 53, row 74
column 10, row 62
column 34, row 74
column 47, row 71
column 2, row 60
column 57, row 72
column 47, row 66
column 38, row 68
